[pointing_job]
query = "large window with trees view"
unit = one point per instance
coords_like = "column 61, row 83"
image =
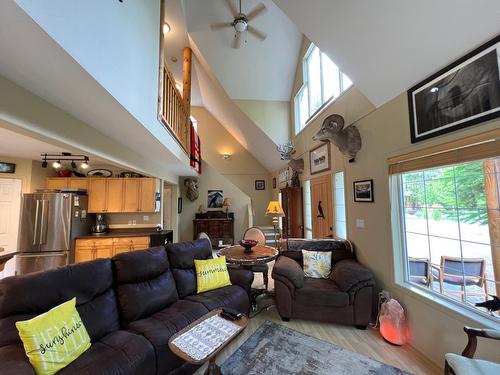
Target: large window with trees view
column 323, row 81
column 451, row 223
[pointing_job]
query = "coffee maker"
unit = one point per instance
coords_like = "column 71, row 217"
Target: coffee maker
column 100, row 225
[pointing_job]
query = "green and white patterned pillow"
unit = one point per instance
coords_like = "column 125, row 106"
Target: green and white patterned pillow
column 317, row 264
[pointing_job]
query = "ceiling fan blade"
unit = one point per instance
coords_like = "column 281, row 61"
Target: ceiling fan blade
column 232, row 8
column 257, row 11
column 259, row 34
column 221, row 25
column 237, row 41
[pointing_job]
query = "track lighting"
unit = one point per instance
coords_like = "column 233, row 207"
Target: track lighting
column 65, row 157
column 56, row 164
column 85, row 164
column 73, row 164
column 44, row 164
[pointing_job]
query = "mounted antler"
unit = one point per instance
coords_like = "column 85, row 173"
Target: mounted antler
column 286, row 150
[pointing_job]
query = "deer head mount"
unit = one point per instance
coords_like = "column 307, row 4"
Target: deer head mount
column 286, row 151
column 191, row 185
column 347, row 140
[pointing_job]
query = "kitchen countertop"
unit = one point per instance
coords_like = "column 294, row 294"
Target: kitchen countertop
column 125, row 233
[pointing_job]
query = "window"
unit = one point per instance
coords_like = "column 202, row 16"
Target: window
column 339, row 205
column 448, row 217
column 323, row 81
column 307, row 209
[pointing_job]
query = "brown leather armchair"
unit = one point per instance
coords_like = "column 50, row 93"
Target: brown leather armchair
column 346, row 297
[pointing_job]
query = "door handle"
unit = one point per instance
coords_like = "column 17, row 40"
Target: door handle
column 35, row 230
column 43, row 224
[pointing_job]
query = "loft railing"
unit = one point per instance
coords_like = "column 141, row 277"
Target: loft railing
column 173, row 113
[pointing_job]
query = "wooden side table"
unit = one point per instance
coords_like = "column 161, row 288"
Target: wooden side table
column 213, row 368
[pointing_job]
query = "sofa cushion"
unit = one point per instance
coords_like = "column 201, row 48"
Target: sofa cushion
column 14, row 361
column 24, row 297
column 120, row 352
column 231, row 296
column 340, row 248
column 144, row 283
column 159, row 327
column 181, row 256
column 321, row 292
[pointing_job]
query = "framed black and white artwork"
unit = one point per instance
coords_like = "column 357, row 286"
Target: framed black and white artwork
column 215, row 198
column 465, row 93
column 260, row 185
column 363, row 191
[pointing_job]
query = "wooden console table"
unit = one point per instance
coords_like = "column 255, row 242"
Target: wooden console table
column 218, row 225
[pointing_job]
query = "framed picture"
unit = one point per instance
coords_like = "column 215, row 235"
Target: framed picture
column 7, row 167
column 215, row 198
column 463, row 94
column 283, row 175
column 274, row 182
column 260, row 185
column 363, row 191
column 179, row 205
column 319, row 158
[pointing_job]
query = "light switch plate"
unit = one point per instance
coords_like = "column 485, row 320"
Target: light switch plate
column 145, row 218
column 360, row 223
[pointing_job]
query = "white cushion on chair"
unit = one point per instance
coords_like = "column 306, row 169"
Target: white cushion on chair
column 467, row 366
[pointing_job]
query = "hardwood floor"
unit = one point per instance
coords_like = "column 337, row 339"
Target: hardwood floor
column 368, row 342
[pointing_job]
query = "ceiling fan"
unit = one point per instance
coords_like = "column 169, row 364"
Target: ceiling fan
column 240, row 23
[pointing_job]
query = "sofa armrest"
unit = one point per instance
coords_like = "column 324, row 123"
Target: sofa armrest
column 350, row 276
column 290, row 270
column 241, row 277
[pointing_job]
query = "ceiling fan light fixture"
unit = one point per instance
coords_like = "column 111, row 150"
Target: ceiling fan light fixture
column 166, row 28
column 240, row 25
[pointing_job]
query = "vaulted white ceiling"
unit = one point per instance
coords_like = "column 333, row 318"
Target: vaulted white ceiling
column 259, row 70
column 387, row 46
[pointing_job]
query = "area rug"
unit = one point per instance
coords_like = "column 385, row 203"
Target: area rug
column 277, row 350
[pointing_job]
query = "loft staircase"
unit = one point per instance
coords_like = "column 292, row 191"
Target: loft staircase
column 269, row 233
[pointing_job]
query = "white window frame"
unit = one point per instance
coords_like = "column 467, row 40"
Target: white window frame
column 401, row 271
column 299, row 126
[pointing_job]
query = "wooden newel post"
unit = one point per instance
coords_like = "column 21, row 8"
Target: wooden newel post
column 491, row 169
column 186, row 81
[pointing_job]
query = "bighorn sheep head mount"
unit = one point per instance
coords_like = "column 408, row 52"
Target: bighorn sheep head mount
column 286, row 151
column 191, row 184
column 347, row 140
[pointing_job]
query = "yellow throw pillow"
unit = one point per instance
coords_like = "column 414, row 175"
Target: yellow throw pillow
column 317, row 264
column 211, row 274
column 54, row 339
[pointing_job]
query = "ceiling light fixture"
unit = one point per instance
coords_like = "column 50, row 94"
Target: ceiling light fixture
column 166, row 28
column 226, row 155
column 435, row 89
column 65, row 157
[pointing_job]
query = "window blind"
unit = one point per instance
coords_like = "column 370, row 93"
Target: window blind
column 480, row 146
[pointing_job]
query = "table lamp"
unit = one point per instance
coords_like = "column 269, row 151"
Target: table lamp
column 274, row 209
column 226, row 203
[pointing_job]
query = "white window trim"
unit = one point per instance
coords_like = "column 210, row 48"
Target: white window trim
column 446, row 304
column 305, row 80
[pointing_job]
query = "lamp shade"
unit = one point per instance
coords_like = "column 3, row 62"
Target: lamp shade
column 274, row 209
column 227, row 202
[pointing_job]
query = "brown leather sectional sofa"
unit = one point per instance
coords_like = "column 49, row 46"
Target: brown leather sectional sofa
column 131, row 305
column 346, row 297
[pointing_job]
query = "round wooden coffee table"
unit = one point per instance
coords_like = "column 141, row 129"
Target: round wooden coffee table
column 260, row 254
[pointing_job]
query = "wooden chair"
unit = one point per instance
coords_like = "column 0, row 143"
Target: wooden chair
column 451, row 272
column 258, row 235
column 465, row 364
column 420, row 271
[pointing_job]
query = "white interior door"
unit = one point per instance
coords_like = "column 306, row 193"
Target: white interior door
column 10, row 205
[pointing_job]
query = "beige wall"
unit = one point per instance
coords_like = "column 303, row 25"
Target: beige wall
column 30, row 172
column 241, row 169
column 385, row 132
column 273, row 117
column 211, row 179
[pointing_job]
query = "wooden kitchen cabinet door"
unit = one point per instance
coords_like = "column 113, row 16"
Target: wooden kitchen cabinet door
column 131, row 201
column 148, row 195
column 84, row 253
column 103, row 251
column 97, row 196
column 56, row 183
column 114, row 195
column 78, row 183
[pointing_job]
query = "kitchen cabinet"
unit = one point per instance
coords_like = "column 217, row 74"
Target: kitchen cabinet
column 112, row 195
column 131, row 202
column 90, row 249
column 57, row 183
column 98, row 188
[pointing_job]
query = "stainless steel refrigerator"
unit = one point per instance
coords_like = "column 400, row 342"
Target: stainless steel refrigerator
column 49, row 224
